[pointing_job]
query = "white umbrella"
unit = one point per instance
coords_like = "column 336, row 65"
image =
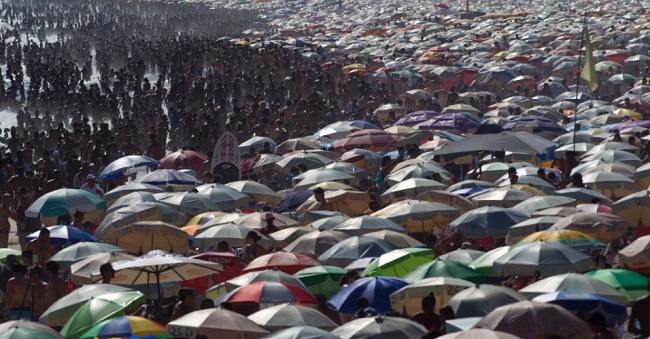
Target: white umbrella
column 283, row 316
column 256, row 192
column 380, row 327
column 215, row 323
column 225, row 197
column 573, row 282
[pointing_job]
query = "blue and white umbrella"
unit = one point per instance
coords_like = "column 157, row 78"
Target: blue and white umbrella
column 168, row 177
column 582, row 302
column 127, row 165
column 62, row 235
column 257, row 142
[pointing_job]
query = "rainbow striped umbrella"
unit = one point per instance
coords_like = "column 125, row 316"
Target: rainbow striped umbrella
column 574, row 239
column 124, row 327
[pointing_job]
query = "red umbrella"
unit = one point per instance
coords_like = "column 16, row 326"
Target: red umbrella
column 173, row 160
column 286, row 262
column 232, row 266
column 371, row 139
column 268, row 292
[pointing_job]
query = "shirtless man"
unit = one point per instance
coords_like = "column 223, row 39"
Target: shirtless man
column 323, row 205
column 18, row 180
column 640, row 311
column 155, row 150
column 5, row 214
column 41, row 246
column 38, row 293
column 17, row 300
column 55, row 286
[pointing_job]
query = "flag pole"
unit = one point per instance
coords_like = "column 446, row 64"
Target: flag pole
column 575, row 113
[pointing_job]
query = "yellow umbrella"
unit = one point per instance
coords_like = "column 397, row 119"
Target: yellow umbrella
column 628, row 113
column 525, row 188
column 347, row 69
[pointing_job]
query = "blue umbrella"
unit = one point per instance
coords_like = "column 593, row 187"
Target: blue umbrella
column 489, row 221
column 584, row 302
column 168, row 177
column 62, row 235
column 376, row 290
column 293, row 200
column 124, row 166
column 415, row 118
column 361, row 124
column 466, row 192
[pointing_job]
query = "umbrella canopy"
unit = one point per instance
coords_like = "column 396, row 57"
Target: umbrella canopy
column 86, row 271
column 409, row 188
column 488, row 221
column 131, row 199
column 203, row 218
column 398, row 239
column 374, row 140
column 462, row 256
column 366, row 224
column 288, row 235
column 500, row 197
column 301, row 332
column 583, row 195
column 225, row 197
column 146, row 236
column 530, row 320
column 397, row 263
column 63, row 236
column 485, row 263
column 574, row 239
column 256, row 142
column 256, row 192
column 61, row 310
column 602, row 226
column 295, row 144
column 631, row 284
column 165, row 177
column 125, row 326
column 289, row 263
column 146, row 211
column 418, row 216
column 380, row 327
column 309, row 159
column 635, row 208
column 293, row 201
column 582, row 302
column 544, row 202
column 461, row 204
column 25, row 329
column 353, row 248
column 322, row 279
column 375, row 289
column 64, row 201
column 315, row 176
column 99, row 309
column 175, row 160
column 636, row 255
column 71, row 254
column 477, row 333
column 482, row 299
column 188, row 203
column 131, row 187
column 273, row 275
column 547, row 258
column 442, row 288
column 517, row 142
column 609, row 184
column 267, row 292
column 284, row 316
column 573, row 281
column 316, row 243
column 257, row 220
column 438, row 268
column 216, row 323
column 211, row 234
column 127, row 165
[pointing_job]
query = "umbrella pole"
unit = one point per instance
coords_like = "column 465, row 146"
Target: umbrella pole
column 159, row 293
column 424, row 234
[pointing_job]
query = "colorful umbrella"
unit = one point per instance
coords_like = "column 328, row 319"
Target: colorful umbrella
column 65, row 201
column 462, row 256
column 175, row 160
column 374, row 140
column 187, row 203
column 482, row 299
column 419, row 216
column 215, row 323
column 398, row 263
column 86, row 271
column 289, row 263
column 602, row 226
column 166, row 177
column 635, row 256
column 448, row 269
column 19, row 329
column 120, row 191
column 574, row 239
column 127, row 165
column 146, row 211
column 99, row 309
column 210, row 235
column 268, row 292
column 257, row 276
column 631, row 284
column 301, row 332
column 635, row 208
column 462, row 204
column 125, row 326
column 471, row 333
column 322, row 279
column 366, row 224
column 256, row 192
column 284, row 316
column 409, row 298
column 398, row 239
column 581, row 302
column 63, row 236
column 225, row 197
column 203, row 218
column 485, row 263
column 375, row 289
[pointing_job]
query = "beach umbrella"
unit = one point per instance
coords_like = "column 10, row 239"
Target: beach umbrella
column 462, row 256
column 296, row 144
column 642, row 175
column 216, row 323
column 225, row 197
column 527, row 227
column 125, row 326
column 146, row 211
column 485, row 263
column 573, row 281
column 146, row 236
column 370, row 139
column 99, row 309
column 187, row 203
column 574, row 239
column 580, row 302
column 272, row 275
column 127, row 165
column 556, row 212
column 414, row 118
column 130, row 200
column 602, row 226
column 380, row 327
column 17, row 329
column 398, row 239
column 63, row 236
column 288, row 235
column 4, row 252
column 476, row 333
column 61, row 310
column 420, row 169
column 614, row 156
column 351, row 169
column 635, row 208
column 256, row 142
column 166, row 177
column 256, row 192
column 547, row 258
column 293, row 201
column 583, row 195
column 314, row 244
column 315, row 176
column 257, row 220
column 321, row 279
column 203, row 218
column 500, row 198
column 335, row 132
column 323, row 219
column 375, row 289
column 448, row 269
column 482, row 299
column 610, row 184
column 631, row 284
column 353, row 248
column 418, row 216
column 530, row 320
column 310, row 160
column 635, row 256
column 398, row 263
column 448, row 121
column 409, row 188
column 301, row 332
column 488, row 221
column 517, row 142
column 284, row 316
column 544, row 202
column 71, row 254
column 64, row 201
column 86, row 271
column 462, row 204
column 233, row 233
column 131, row 187
column 289, row 263
column 159, row 266
column 366, row 224
column 174, row 160
column 268, row 293
column 409, row 297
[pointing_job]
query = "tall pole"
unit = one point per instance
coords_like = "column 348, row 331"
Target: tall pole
column 467, row 6
column 575, row 113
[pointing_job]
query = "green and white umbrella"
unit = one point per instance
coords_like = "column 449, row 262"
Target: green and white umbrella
column 65, row 201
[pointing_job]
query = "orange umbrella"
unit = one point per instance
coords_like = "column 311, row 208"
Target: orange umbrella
column 191, row 229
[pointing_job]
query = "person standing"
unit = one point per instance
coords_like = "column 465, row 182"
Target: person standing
column 55, row 285
column 17, row 298
column 5, row 214
column 92, row 187
column 639, row 314
column 41, row 246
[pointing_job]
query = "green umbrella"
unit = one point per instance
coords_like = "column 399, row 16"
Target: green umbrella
column 107, row 306
column 633, row 285
column 448, row 269
column 65, row 201
column 398, row 263
column 19, row 329
column 321, row 279
column 484, row 263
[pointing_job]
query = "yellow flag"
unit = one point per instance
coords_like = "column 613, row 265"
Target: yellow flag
column 589, row 68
